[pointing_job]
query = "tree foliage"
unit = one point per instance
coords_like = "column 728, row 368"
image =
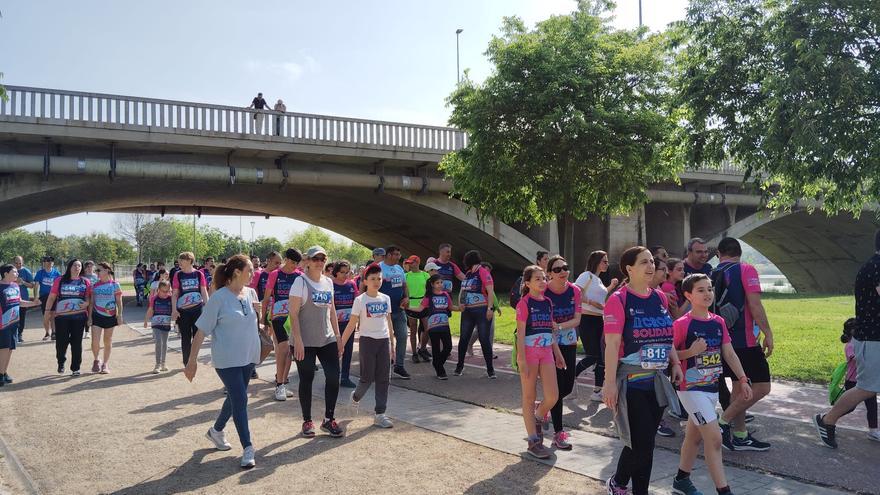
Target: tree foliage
column 789, row 90
column 571, row 122
column 336, row 249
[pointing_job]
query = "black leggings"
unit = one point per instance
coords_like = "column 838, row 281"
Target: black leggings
column 870, row 405
column 590, row 330
column 635, row 463
column 441, row 348
column 186, row 325
column 475, row 320
column 329, row 359
column 565, row 382
column 69, row 331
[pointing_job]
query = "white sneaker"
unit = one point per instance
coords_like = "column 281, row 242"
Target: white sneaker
column 596, row 396
column 874, row 435
column 280, row 392
column 353, row 401
column 288, row 392
column 247, row 458
column 156, row 370
column 383, row 421
column 163, row 368
column 219, row 439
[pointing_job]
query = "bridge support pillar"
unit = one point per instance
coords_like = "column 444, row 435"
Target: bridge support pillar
column 668, row 225
column 625, row 231
column 547, row 235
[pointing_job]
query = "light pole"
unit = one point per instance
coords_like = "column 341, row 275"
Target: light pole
column 457, row 55
column 252, row 236
column 640, row 13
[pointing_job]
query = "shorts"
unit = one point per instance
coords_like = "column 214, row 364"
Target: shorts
column 43, row 300
column 754, row 363
column 8, row 336
column 539, row 355
column 102, row 321
column 867, row 353
column 280, row 332
column 418, row 315
column 699, row 405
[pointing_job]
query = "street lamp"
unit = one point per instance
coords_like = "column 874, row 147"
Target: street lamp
column 457, row 56
column 252, row 236
column 640, row 13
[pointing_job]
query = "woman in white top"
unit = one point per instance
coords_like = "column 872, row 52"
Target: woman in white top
column 230, row 317
column 593, row 295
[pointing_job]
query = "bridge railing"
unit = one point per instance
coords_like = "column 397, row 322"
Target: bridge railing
column 75, row 107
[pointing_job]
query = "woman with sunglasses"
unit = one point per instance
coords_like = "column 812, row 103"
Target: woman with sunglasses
column 106, row 314
column 230, row 318
column 314, row 330
column 593, row 296
column 566, row 300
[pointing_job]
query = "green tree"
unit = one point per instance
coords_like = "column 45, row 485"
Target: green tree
column 51, row 245
column 97, row 247
column 788, row 89
column 264, row 245
column 336, row 249
column 19, row 242
column 570, row 123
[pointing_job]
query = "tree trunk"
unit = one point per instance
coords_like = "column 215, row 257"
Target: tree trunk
column 568, row 239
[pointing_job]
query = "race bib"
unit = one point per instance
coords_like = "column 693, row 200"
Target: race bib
column 322, row 298
column 709, row 365
column 655, row 356
column 376, row 309
column 281, row 308
column 396, row 281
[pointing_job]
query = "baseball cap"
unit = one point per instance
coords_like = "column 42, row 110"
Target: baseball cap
column 414, row 259
column 314, row 251
column 379, row 252
column 431, row 266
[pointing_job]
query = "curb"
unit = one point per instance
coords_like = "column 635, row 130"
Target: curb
column 18, row 469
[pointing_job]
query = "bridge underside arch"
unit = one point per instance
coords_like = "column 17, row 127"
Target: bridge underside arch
column 416, row 223
column 817, row 253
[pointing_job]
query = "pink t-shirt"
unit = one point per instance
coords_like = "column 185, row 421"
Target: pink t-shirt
column 669, row 289
column 752, row 284
column 255, row 281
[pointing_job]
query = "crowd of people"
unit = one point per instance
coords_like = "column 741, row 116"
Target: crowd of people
column 663, row 337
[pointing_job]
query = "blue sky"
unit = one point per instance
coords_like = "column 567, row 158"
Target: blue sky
column 386, row 60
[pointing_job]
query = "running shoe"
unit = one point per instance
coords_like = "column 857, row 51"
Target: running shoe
column 383, row 421
column 289, row 393
column 7, row 378
column 613, row 489
column 681, row 417
column 308, row 429
column 74, row 373
column 352, row 399
column 218, row 438
column 157, row 370
column 826, row 432
column 726, row 437
column 750, row 417
column 45, row 337
column 105, row 369
column 415, row 358
column 560, row 440
column 425, row 355
column 280, row 392
column 347, row 383
column 750, row 443
column 401, row 373
column 331, row 427
column 685, row 487
column 20, row 339
column 441, row 375
column 596, row 396
column 163, row 368
column 96, row 366
column 872, row 435
column 247, row 458
column 665, row 431
column 254, row 374
column 537, row 450
column 491, row 375
column 60, row 368
column 458, row 370
column 53, row 335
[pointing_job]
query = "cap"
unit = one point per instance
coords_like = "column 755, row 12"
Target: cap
column 379, row 252
column 47, row 258
column 314, row 251
column 431, row 266
column 430, row 259
column 414, row 259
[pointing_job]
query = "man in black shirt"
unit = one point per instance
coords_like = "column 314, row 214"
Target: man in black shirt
column 258, row 104
column 866, row 344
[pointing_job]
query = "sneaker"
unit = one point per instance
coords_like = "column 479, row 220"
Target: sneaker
column 53, row 336
column 560, row 441
column 352, row 400
column 74, row 373
column 425, row 355
column 685, row 487
column 308, row 429
column 596, row 396
column 441, row 375
column 537, row 450
column 613, row 489
column 60, row 368
column 218, row 438
column 347, row 383
column 491, row 375
column 20, row 339
column 401, row 373
column 156, row 370
column 750, row 417
column 330, row 426
column 96, row 366
column 681, row 417
column 726, row 437
column 7, row 378
column 280, row 392
column 383, row 421
column 665, row 431
column 163, row 368
column 750, row 443
column 826, row 432
column 2, row 382
column 287, row 392
column 105, row 369
column 45, row 337
column 254, row 374
column 872, row 435
column 458, row 370
column 247, row 458
column 415, row 358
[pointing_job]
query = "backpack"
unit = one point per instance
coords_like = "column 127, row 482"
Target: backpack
column 721, row 307
column 835, row 388
column 515, row 292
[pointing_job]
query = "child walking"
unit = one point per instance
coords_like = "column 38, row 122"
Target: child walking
column 438, row 307
column 537, row 354
column 850, row 381
column 371, row 312
column 159, row 318
column 702, row 341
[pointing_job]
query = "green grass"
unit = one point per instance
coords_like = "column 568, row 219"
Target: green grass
column 806, row 331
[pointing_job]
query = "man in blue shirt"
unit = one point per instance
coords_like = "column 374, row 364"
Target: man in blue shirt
column 25, row 282
column 394, row 286
column 44, row 278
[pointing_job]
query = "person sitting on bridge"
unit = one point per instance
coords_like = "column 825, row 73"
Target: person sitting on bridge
column 258, row 104
column 697, row 257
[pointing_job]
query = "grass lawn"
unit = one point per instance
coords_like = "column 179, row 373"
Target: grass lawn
column 806, row 328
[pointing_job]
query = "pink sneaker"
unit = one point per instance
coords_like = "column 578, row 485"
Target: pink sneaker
column 105, row 368
column 560, row 441
column 96, row 366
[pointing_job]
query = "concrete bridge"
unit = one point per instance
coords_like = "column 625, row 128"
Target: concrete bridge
column 64, row 152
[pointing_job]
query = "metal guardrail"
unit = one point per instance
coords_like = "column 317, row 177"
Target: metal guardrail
column 75, row 107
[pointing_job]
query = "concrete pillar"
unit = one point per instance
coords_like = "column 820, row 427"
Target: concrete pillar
column 625, row 231
column 668, row 225
column 546, row 235
column 589, row 235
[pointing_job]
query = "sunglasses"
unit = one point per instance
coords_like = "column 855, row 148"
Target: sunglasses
column 98, row 270
column 319, row 258
column 244, row 307
column 560, row 269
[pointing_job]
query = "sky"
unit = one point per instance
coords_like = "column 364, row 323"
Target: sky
column 382, row 60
